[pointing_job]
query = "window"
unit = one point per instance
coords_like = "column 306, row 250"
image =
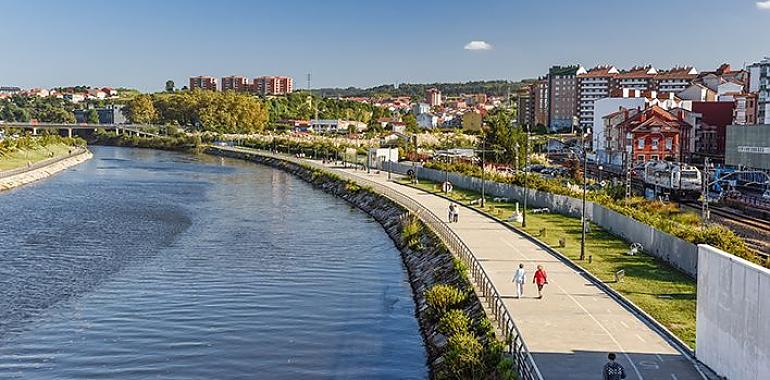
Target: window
column 640, row 143
column 654, row 144
column 654, row 157
column 669, row 143
column 640, row 157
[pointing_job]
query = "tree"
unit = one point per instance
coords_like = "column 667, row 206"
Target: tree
column 92, row 116
column 141, row 110
column 411, row 123
column 504, row 137
column 169, row 86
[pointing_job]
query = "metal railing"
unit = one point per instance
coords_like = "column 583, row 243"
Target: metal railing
column 517, row 349
column 40, row 164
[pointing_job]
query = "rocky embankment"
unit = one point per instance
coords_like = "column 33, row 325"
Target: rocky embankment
column 427, row 265
column 36, row 173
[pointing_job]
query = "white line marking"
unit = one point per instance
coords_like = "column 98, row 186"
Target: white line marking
column 624, row 324
column 605, row 331
column 674, row 377
column 640, row 338
column 659, row 357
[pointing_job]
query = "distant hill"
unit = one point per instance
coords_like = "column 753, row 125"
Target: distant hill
column 492, row 87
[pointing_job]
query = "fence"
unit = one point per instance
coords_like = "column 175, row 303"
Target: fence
column 525, row 364
column 679, row 253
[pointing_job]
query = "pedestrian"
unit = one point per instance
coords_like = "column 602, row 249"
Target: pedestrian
column 518, row 278
column 613, row 370
column 540, row 279
column 451, row 212
column 457, row 213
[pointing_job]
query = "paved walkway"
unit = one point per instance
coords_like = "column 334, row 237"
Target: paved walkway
column 571, row 330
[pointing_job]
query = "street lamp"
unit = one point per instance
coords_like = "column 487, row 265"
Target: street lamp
column 585, row 188
column 526, row 182
column 483, row 151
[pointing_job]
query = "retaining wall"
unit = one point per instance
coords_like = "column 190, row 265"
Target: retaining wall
column 733, row 320
column 43, row 170
column 679, row 253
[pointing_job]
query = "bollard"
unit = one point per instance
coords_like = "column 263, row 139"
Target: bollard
column 590, row 259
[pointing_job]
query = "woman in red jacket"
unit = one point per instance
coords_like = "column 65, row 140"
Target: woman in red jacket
column 540, row 279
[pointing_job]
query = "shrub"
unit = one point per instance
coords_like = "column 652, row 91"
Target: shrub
column 464, row 357
column 411, row 230
column 461, row 269
column 454, row 322
column 443, row 297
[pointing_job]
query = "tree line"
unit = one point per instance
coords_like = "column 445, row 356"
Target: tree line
column 417, row 90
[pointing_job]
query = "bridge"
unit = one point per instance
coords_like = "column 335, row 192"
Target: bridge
column 35, row 128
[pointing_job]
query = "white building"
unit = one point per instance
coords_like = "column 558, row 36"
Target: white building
column 759, row 82
column 427, row 121
column 602, row 108
column 592, row 85
column 420, row 108
column 335, row 126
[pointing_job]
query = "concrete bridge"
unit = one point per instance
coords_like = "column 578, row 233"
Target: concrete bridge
column 129, row 129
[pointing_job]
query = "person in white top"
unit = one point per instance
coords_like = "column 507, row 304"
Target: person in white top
column 519, row 277
column 457, row 213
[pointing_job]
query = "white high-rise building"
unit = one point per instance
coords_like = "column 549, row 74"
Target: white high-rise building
column 759, row 82
column 593, row 84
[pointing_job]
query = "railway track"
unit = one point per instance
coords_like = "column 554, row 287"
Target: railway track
column 760, row 227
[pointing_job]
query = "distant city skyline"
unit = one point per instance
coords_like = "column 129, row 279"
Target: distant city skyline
column 345, row 43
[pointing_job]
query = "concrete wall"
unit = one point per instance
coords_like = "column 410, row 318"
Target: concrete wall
column 677, row 252
column 733, row 320
column 748, row 145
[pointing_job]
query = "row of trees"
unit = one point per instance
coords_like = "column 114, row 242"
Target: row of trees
column 222, row 112
column 301, row 105
column 417, row 90
column 24, row 109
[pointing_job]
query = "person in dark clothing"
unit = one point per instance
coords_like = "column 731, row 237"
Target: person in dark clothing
column 613, row 370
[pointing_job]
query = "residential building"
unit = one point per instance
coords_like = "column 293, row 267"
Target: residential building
column 593, row 84
column 9, row 90
column 540, row 102
column 203, row 83
column 608, row 106
column 336, row 126
column 112, row 114
column 745, row 108
column 676, row 79
column 235, row 83
column 655, row 134
column 273, row 85
column 434, row 97
column 618, row 140
column 562, row 97
column 525, row 105
column 427, row 120
column 710, row 131
column 637, row 78
column 420, row 108
column 759, row 83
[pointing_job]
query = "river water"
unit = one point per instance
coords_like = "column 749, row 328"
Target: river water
column 142, row 264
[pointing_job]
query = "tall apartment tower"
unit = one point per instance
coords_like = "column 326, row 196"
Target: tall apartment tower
column 540, row 101
column 593, row 85
column 759, row 83
column 562, row 97
column 525, row 105
column 434, row 97
column 235, row 83
column 203, row 83
column 272, row 85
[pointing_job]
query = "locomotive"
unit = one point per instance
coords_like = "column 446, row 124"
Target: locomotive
column 673, row 179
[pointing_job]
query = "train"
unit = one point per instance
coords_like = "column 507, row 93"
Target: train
column 672, row 179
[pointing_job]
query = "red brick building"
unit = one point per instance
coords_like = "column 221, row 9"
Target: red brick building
column 203, row 83
column 657, row 134
column 235, row 83
column 273, row 85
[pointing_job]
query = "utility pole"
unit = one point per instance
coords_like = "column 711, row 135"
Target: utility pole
column 483, row 151
column 705, row 191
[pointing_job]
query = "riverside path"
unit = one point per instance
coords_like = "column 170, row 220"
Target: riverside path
column 570, row 331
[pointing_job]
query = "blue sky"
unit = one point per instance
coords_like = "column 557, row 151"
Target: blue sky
column 142, row 43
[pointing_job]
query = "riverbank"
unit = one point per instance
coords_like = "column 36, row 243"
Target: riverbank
column 31, row 156
column 43, row 169
column 431, row 270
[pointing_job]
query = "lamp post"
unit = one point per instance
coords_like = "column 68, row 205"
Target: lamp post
column 483, row 150
column 585, row 188
column 526, row 182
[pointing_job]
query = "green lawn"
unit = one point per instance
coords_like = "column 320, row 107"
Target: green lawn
column 20, row 158
column 657, row 288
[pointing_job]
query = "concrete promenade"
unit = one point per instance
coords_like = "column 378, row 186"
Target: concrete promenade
column 571, row 330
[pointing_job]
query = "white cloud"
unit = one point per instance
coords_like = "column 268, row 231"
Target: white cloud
column 763, row 4
column 483, row 45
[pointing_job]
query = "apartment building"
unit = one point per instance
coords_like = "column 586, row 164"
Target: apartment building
column 235, row 83
column 676, row 79
column 540, row 102
column 525, row 105
column 759, row 83
column 434, row 97
column 203, row 83
column 593, row 84
column 562, row 97
column 273, row 85
column 637, row 78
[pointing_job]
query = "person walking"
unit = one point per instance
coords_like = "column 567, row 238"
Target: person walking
column 451, row 212
column 518, row 278
column 613, row 370
column 540, row 280
column 457, row 213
